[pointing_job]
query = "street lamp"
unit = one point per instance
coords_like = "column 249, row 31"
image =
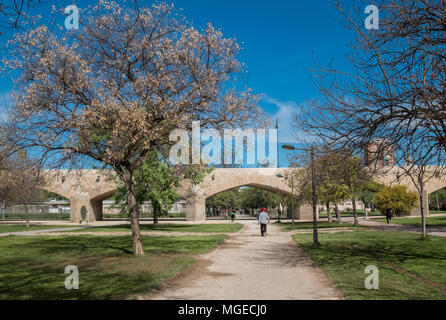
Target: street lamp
column 292, row 198
column 313, row 189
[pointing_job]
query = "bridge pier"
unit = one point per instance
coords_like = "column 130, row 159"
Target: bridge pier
column 196, row 210
column 305, row 212
column 94, row 209
column 416, row 211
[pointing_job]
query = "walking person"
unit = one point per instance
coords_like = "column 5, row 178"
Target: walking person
column 388, row 215
column 232, row 215
column 263, row 220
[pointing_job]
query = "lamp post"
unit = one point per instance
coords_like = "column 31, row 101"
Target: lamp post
column 313, row 189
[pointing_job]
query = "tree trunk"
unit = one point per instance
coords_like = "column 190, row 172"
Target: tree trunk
column 355, row 213
column 330, row 219
column 423, row 215
column 338, row 215
column 27, row 216
column 156, row 212
column 133, row 213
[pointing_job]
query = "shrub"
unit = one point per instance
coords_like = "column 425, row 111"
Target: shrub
column 83, row 213
column 398, row 198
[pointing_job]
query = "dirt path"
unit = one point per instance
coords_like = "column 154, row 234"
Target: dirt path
column 433, row 230
column 250, row 267
column 38, row 232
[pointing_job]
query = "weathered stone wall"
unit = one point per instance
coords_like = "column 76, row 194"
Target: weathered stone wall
column 90, row 187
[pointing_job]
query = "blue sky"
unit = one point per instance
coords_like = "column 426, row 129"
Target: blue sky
column 281, row 40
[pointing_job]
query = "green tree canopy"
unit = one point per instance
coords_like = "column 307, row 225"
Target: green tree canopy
column 154, row 181
column 397, row 198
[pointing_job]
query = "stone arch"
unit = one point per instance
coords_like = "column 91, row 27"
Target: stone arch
column 55, row 190
column 48, row 189
column 268, row 188
column 97, row 199
column 437, row 185
column 226, row 179
column 279, row 191
column 221, row 180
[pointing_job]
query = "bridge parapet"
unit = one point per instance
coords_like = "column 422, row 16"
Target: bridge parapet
column 90, row 187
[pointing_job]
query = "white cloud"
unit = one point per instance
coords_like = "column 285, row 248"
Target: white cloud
column 285, row 114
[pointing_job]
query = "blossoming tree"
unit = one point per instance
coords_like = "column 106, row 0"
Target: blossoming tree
column 114, row 89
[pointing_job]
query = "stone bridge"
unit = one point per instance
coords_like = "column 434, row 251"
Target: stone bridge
column 90, row 187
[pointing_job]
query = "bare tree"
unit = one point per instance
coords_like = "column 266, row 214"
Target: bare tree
column 420, row 174
column 396, row 94
column 398, row 88
column 20, row 177
column 128, row 77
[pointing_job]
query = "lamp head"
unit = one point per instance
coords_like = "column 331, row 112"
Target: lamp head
column 288, row 147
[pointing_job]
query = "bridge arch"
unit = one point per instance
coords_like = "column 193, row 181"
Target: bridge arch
column 90, row 187
column 221, row 180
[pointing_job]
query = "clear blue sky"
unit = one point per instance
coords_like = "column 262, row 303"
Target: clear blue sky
column 281, row 41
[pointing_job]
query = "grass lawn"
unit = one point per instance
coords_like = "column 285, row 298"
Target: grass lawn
column 350, row 214
column 416, row 221
column 309, row 225
column 437, row 212
column 142, row 215
column 37, row 216
column 33, row 267
column 409, row 268
column 6, row 228
column 169, row 228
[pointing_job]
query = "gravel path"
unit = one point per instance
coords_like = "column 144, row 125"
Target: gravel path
column 250, row 267
column 38, row 232
column 435, row 231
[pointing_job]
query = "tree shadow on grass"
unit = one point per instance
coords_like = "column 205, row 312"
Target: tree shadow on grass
column 33, row 267
column 49, row 283
column 345, row 257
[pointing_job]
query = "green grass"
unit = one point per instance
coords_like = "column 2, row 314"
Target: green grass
column 345, row 255
column 143, row 215
column 437, row 212
column 361, row 213
column 6, row 228
column 309, row 225
column 33, row 267
column 211, row 228
column 416, row 221
column 36, row 216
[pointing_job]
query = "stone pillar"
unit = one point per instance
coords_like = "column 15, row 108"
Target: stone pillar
column 94, row 209
column 196, row 209
column 296, row 212
column 306, row 212
column 96, row 213
column 417, row 211
column 75, row 208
